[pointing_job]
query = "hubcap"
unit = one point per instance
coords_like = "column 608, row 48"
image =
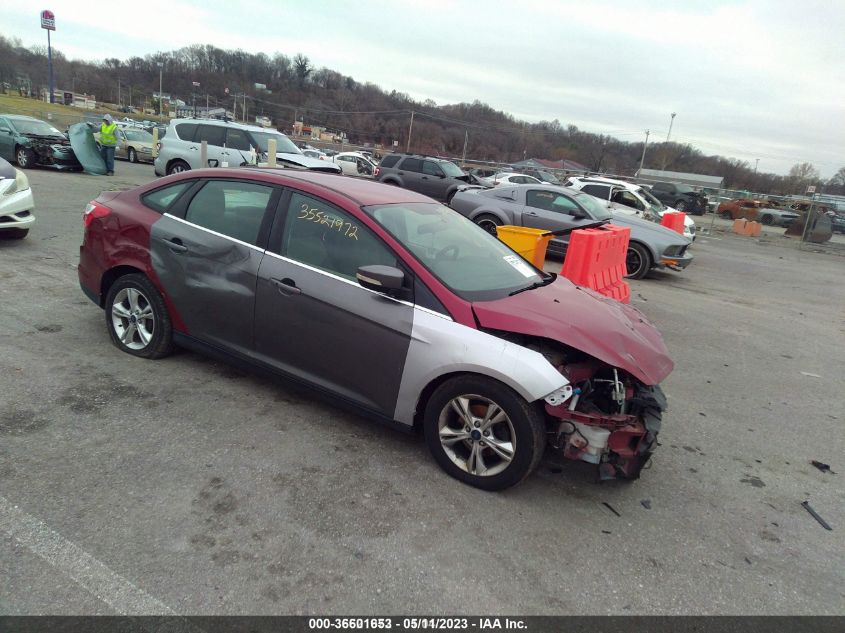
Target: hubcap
column 21, row 158
column 477, row 435
column 132, row 318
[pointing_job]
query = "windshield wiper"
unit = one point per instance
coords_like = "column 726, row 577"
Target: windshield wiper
column 550, row 277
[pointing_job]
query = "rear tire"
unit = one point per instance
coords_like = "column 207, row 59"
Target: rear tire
column 177, row 167
column 768, row 220
column 637, row 261
column 492, row 457
column 488, row 222
column 132, row 155
column 137, row 318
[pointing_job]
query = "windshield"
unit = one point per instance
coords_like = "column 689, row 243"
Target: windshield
column 138, row 135
column 547, row 177
column 597, row 208
column 25, row 126
column 283, row 144
column 472, row 263
column 451, row 169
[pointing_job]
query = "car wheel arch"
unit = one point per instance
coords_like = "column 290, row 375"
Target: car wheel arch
column 434, row 383
column 112, row 275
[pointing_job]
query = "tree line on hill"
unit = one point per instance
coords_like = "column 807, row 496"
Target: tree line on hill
column 294, row 87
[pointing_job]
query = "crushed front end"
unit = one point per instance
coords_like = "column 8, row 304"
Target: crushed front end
column 610, row 419
column 53, row 151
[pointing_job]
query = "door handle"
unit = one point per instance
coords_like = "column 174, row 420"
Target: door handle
column 193, row 148
column 531, row 213
column 401, row 173
column 176, row 245
column 424, row 178
column 286, row 286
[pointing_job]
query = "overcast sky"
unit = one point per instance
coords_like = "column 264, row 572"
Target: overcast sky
column 759, row 79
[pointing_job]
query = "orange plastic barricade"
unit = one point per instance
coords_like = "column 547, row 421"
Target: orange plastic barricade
column 739, row 226
column 674, row 220
column 531, row 244
column 754, row 229
column 595, row 258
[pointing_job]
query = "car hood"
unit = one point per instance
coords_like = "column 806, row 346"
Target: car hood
column 632, row 222
column 309, row 163
column 610, row 331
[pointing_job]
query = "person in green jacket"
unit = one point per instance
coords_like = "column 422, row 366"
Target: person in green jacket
column 108, row 142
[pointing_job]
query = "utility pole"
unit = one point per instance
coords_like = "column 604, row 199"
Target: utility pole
column 244, row 107
column 756, row 162
column 464, row 156
column 206, row 105
column 160, row 96
column 410, row 129
column 118, row 93
column 642, row 160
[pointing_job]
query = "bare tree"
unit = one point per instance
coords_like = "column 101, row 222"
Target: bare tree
column 302, row 67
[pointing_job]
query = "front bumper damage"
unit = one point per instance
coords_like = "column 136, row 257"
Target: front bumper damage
column 621, row 443
column 51, row 151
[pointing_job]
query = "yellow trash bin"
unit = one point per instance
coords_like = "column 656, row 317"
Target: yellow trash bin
column 530, row 243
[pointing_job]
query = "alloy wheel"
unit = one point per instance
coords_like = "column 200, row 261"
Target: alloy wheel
column 477, row 435
column 133, row 318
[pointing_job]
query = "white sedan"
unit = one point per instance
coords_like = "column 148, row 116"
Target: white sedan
column 16, row 202
column 510, row 178
column 354, row 164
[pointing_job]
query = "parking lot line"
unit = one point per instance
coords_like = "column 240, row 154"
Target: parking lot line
column 70, row 559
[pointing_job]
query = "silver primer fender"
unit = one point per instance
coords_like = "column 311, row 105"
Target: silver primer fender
column 441, row 346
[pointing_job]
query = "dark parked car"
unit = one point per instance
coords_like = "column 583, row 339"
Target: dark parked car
column 436, row 178
column 390, row 302
column 29, row 142
column 554, row 208
column 680, row 197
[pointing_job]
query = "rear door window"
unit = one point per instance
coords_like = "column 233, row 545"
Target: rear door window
column 211, row 134
column 412, row 164
column 431, row 169
column 389, row 161
column 232, row 208
column 186, row 131
column 599, row 191
column 161, row 199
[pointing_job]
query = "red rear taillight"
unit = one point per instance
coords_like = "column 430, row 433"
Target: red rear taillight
column 376, row 172
column 92, row 211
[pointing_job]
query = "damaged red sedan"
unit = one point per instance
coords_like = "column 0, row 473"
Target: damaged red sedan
column 388, row 301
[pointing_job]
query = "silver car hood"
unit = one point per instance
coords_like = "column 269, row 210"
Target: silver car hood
column 308, row 163
column 620, row 219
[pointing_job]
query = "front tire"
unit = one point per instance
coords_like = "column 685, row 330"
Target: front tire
column 24, row 157
column 637, row 261
column 488, row 222
column 137, row 318
column 680, row 205
column 132, row 155
column 482, row 433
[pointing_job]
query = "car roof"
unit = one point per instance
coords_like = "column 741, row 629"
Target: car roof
column 234, row 124
column 21, row 117
column 362, row 191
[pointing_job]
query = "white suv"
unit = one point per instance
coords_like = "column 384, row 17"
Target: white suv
column 629, row 198
column 229, row 145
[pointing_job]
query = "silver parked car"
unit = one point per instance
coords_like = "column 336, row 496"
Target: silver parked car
column 554, row 208
column 229, row 145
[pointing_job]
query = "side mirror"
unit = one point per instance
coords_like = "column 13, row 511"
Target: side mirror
column 580, row 215
column 386, row 279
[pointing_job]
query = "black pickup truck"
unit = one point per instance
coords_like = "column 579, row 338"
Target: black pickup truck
column 680, row 197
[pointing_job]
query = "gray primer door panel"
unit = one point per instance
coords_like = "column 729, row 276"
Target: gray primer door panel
column 211, row 282
column 332, row 332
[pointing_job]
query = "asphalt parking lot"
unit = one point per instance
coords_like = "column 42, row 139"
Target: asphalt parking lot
column 185, row 485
